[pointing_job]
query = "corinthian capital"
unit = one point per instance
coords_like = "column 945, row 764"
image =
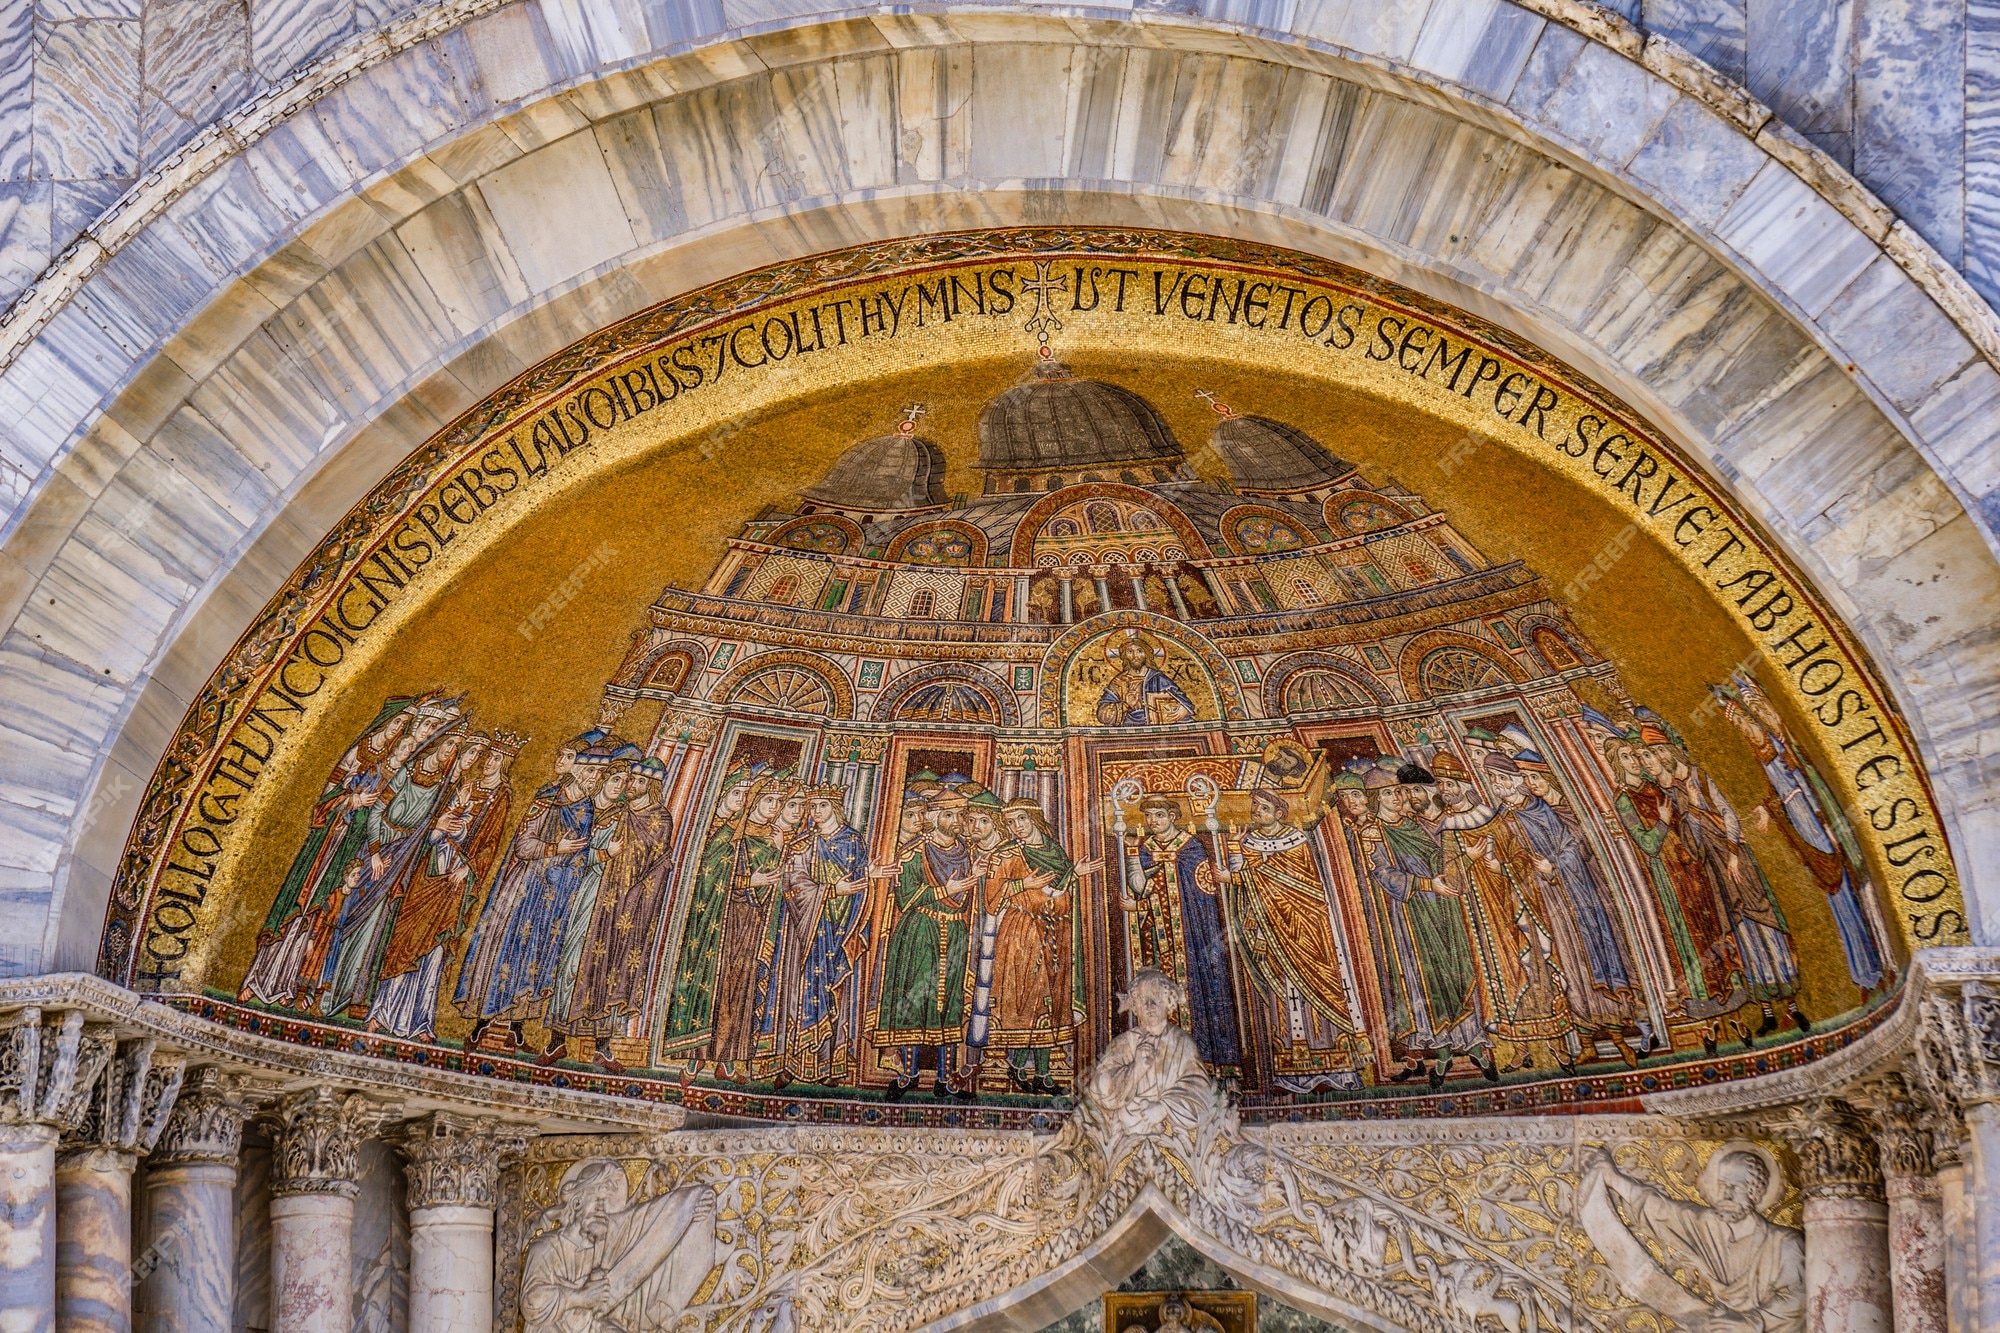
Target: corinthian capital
column 1958, row 1045
column 318, row 1141
column 206, row 1122
column 1835, row 1145
column 1905, row 1129
column 456, row 1160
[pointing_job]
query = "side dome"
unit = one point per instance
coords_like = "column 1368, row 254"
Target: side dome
column 1058, row 421
column 1266, row 455
column 890, row 474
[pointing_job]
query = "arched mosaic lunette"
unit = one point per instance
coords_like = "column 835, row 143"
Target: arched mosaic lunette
column 989, row 684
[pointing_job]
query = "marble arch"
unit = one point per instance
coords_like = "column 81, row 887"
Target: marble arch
column 218, row 283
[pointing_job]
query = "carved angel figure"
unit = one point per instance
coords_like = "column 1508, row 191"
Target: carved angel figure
column 1754, row 1268
column 613, row 1266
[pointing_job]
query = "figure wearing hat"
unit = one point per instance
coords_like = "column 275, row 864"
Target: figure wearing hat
column 924, row 996
column 750, row 893
column 1521, row 986
column 807, row 1001
column 609, row 999
column 1140, row 694
column 1176, row 903
column 516, row 944
column 1424, row 958
column 465, row 843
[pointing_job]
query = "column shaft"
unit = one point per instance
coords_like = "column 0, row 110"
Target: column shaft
column 187, row 1272
column 1916, row 1254
column 28, row 1203
column 1847, row 1266
column 312, row 1263
column 1961, row 1303
column 94, row 1241
column 451, row 1269
column 1982, row 1184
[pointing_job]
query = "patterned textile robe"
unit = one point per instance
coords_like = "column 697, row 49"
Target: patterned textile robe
column 1695, row 924
column 691, row 1002
column 805, row 999
column 612, row 982
column 512, row 959
column 1037, row 990
column 1185, row 915
column 1520, row 987
column 1279, row 904
column 743, row 962
column 1590, row 941
column 925, row 982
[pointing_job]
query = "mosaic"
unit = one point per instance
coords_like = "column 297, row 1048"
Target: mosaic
column 1126, row 639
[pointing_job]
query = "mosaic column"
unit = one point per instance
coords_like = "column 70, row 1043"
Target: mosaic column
column 1846, row 1223
column 453, row 1168
column 48, row 1070
column 1916, row 1212
column 124, row 1117
column 187, row 1270
column 313, row 1184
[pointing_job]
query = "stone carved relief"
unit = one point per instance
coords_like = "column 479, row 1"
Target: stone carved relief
column 1718, row 1267
column 318, row 1141
column 206, row 1124
column 455, row 1160
column 1459, row 1228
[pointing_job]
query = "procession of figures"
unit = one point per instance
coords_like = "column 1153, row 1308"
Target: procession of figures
column 1452, row 912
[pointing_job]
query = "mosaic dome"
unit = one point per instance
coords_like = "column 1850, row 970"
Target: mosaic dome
column 1058, row 421
column 886, row 475
column 1267, row 455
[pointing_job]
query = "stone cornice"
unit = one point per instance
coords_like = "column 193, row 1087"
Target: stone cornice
column 277, row 1066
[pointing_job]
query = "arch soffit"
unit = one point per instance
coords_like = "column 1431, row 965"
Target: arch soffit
column 174, row 367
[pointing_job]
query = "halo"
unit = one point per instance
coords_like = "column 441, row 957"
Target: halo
column 1774, row 1175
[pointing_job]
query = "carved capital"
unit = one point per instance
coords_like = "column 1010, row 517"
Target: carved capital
column 1903, row 1130
column 318, row 1141
column 1835, row 1145
column 1958, row 1045
column 455, row 1160
column 206, row 1122
column 127, row 1107
column 49, row 1065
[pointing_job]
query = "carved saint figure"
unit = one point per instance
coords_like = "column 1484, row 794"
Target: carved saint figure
column 1754, row 1268
column 607, row 1265
column 1141, row 694
column 1150, row 1082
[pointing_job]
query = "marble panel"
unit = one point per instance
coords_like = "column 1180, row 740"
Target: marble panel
column 297, row 168
column 1387, row 192
column 1277, row 15
column 86, row 99
column 35, row 834
column 1801, row 61
column 507, row 49
column 550, row 248
column 865, row 103
column 1481, row 44
column 17, row 96
column 162, row 277
column 1960, row 424
column 63, row 705
column 1363, row 25
column 1605, row 104
column 361, row 329
column 1981, row 262
column 61, row 11
column 1018, row 118
column 24, row 234
column 47, row 392
column 933, row 87
column 40, row 776
column 285, row 34
column 1886, row 323
column 1797, row 240
column 1696, row 162
column 389, row 112
column 196, row 65
column 74, row 206
column 1714, row 31
column 588, row 35
column 195, row 480
column 1909, row 113
column 456, row 245
column 671, row 23
column 381, row 1254
column 261, row 402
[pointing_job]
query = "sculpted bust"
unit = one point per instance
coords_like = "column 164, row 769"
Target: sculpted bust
column 1150, row 1084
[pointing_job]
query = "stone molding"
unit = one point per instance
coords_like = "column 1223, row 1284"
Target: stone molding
column 317, row 1145
column 456, row 1161
column 206, row 1126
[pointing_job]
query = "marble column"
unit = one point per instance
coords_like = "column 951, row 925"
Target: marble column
column 50, row 1067
column 1982, row 1185
column 1955, row 1211
column 187, row 1270
column 125, row 1114
column 453, row 1168
column 1846, row 1223
column 313, row 1184
column 1916, row 1213
column 28, row 1203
